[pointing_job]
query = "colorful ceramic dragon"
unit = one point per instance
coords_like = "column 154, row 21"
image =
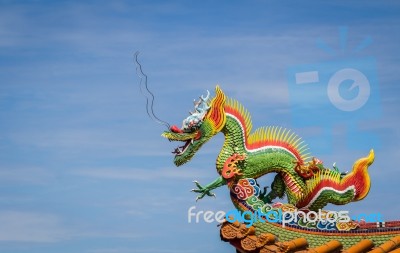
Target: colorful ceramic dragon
column 246, row 156
column 306, row 182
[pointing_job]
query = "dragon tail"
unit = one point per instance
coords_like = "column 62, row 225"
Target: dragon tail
column 359, row 176
column 328, row 186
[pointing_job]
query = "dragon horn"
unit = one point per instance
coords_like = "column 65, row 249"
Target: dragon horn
column 216, row 114
column 205, row 98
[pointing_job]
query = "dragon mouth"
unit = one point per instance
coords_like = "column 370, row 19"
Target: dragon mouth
column 182, row 149
column 187, row 138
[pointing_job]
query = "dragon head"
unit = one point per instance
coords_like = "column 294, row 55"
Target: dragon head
column 206, row 121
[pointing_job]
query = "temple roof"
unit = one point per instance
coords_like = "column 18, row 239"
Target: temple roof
column 245, row 239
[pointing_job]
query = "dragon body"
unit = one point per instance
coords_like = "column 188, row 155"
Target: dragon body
column 246, row 156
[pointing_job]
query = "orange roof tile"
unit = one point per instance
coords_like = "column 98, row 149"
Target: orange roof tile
column 245, row 239
column 360, row 247
column 395, row 251
column 331, row 246
column 387, row 246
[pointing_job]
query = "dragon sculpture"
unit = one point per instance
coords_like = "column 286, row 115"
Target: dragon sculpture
column 246, row 156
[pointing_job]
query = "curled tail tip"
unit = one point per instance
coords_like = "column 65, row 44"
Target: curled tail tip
column 371, row 157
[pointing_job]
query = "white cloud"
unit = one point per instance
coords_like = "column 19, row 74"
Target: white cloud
column 26, row 226
column 135, row 174
column 147, row 250
column 26, row 175
column 110, row 234
column 20, row 226
column 70, row 140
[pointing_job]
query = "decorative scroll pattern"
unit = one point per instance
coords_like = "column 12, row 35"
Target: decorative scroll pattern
column 246, row 188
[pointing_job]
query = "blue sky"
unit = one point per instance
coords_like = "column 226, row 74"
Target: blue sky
column 82, row 167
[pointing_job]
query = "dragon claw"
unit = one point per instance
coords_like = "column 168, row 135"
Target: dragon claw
column 203, row 191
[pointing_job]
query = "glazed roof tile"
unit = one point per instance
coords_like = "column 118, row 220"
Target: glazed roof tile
column 245, row 240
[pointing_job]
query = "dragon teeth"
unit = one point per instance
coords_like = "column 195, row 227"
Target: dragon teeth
column 181, row 149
